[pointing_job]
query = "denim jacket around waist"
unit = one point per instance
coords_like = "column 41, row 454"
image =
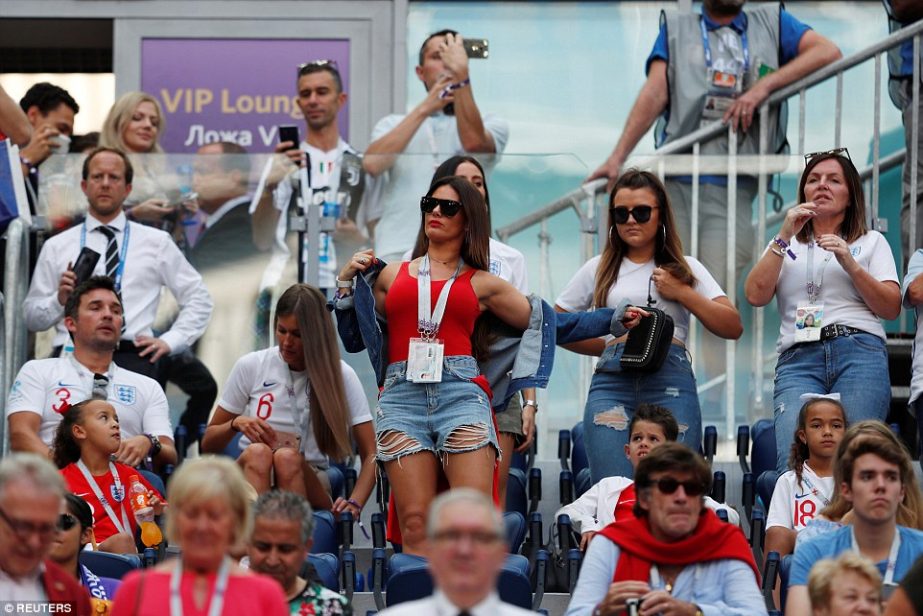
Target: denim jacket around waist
column 517, row 360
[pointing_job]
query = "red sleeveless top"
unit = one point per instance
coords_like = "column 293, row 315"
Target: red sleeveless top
column 461, row 311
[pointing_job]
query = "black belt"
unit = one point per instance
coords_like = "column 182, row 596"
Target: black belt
column 836, row 330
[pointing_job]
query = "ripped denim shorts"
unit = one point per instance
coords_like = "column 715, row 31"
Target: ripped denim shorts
column 428, row 413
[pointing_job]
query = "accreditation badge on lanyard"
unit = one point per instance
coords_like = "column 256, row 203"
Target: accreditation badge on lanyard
column 424, row 355
column 724, row 86
column 809, row 316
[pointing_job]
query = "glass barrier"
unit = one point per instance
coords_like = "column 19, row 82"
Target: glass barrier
column 245, row 247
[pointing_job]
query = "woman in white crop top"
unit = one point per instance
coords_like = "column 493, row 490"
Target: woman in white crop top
column 833, row 280
column 643, row 260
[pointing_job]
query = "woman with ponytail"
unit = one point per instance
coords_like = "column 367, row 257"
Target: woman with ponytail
column 297, row 405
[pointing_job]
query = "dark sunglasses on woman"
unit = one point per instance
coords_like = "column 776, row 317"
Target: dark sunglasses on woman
column 66, row 521
column 668, row 485
column 641, row 213
column 448, row 207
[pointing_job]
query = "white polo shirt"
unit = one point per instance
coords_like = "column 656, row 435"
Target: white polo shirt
column 261, row 385
column 48, row 387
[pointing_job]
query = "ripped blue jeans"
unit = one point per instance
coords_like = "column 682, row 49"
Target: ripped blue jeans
column 615, row 394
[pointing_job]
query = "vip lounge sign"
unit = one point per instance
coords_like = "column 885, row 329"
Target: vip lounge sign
column 236, row 90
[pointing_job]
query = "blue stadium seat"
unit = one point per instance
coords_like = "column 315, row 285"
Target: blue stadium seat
column 763, row 447
column 785, row 568
column 232, row 449
column 765, row 484
column 516, row 499
column 106, row 564
column 578, row 459
column 325, row 535
column 583, row 482
column 337, row 480
column 410, row 580
column 327, row 567
column 515, row 524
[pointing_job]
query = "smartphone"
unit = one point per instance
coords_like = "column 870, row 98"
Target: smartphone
column 289, row 132
column 85, row 264
column 477, row 48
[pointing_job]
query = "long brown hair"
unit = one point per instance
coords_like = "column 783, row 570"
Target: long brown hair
column 476, row 244
column 322, row 364
column 854, row 225
column 669, row 252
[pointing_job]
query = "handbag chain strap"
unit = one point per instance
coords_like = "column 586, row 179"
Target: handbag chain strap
column 650, row 298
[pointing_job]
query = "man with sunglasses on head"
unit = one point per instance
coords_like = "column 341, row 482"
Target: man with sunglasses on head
column 718, row 66
column 45, row 388
column 31, row 500
column 406, row 148
column 320, row 97
column 675, row 556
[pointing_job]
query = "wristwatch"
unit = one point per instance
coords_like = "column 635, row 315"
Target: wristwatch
column 156, row 445
column 532, row 403
column 346, row 284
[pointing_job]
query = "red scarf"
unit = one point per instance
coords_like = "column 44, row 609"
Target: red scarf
column 711, row 540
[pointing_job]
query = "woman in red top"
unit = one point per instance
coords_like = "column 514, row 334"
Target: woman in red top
column 435, row 406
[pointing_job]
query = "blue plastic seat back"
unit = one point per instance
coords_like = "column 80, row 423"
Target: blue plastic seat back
column 765, row 485
column 327, row 567
column 763, row 447
column 106, row 564
column 514, row 585
column 325, row 535
column 232, row 449
column 516, row 497
column 519, row 461
column 155, row 480
column 785, row 568
column 583, row 481
column 515, row 524
column 337, row 480
column 578, row 459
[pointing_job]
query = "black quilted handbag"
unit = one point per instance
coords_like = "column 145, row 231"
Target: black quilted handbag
column 648, row 342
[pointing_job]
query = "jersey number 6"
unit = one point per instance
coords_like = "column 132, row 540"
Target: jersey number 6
column 264, row 407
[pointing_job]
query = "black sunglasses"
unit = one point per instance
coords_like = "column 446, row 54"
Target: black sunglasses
column 844, row 152
column 668, row 485
column 66, row 521
column 448, row 207
column 641, row 213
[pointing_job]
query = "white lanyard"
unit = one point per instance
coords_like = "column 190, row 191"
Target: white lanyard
column 298, row 415
column 217, row 600
column 892, row 556
column 124, row 526
column 428, row 318
column 816, row 491
column 814, row 289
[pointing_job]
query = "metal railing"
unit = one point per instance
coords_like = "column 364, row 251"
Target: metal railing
column 13, row 333
column 669, row 159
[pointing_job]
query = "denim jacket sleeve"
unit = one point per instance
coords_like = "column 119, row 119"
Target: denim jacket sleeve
column 358, row 323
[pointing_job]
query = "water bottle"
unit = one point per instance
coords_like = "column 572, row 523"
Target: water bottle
column 139, row 504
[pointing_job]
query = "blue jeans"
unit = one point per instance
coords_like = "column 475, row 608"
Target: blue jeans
column 854, row 366
column 615, row 395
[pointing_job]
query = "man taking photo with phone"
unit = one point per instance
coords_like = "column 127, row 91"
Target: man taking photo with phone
column 406, row 148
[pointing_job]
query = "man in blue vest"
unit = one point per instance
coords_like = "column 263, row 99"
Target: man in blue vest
column 718, row 66
column 902, row 13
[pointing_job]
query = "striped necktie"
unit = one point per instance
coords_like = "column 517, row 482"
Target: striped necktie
column 112, row 250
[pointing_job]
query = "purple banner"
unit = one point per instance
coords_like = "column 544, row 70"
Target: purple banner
column 236, row 90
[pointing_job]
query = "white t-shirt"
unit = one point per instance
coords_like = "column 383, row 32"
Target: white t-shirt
column 793, row 506
column 632, row 284
column 261, row 385
column 841, row 300
column 399, row 189
column 914, row 269
column 48, row 387
column 505, row 262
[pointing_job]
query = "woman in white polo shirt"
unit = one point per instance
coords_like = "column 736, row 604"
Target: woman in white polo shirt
column 297, row 405
column 826, row 264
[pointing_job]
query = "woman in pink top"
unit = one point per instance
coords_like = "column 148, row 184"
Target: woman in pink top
column 209, row 513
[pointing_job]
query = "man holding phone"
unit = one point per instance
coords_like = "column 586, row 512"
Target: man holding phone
column 447, row 122
column 140, row 259
column 320, row 98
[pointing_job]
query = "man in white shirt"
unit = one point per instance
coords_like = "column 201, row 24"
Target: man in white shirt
column 406, row 148
column 31, row 501
column 465, row 550
column 142, row 260
column 45, row 388
column 320, row 98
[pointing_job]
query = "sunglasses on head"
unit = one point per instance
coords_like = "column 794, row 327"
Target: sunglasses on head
column 641, row 213
column 843, row 152
column 309, row 67
column 448, row 207
column 668, row 485
column 66, row 521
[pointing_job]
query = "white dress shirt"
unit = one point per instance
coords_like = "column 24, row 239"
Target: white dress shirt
column 152, row 261
column 439, row 605
column 26, row 588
